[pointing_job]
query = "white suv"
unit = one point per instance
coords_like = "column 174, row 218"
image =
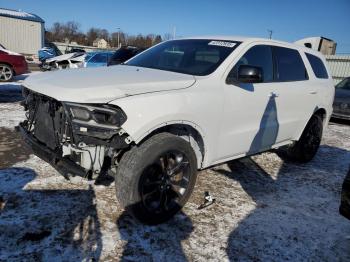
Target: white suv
column 177, row 107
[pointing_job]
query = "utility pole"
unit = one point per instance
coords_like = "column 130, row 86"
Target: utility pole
column 174, row 32
column 118, row 36
column 270, row 33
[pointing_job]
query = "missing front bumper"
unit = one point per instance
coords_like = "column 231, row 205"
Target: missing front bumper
column 63, row 165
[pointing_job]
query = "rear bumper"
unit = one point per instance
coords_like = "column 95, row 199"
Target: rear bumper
column 63, row 165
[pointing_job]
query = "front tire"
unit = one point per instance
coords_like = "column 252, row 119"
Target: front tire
column 306, row 147
column 6, row 73
column 155, row 179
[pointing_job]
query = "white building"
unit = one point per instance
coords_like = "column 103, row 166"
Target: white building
column 100, row 43
column 21, row 32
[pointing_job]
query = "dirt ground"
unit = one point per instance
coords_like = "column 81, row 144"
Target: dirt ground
column 266, row 209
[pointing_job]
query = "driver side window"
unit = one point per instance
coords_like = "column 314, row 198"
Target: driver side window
column 261, row 56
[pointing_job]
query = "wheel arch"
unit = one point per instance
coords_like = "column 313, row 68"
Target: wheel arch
column 320, row 111
column 12, row 67
column 184, row 129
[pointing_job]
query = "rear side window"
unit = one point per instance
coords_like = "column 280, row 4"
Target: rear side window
column 317, row 66
column 261, row 56
column 289, row 65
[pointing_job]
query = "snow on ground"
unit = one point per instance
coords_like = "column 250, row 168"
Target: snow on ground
column 266, row 209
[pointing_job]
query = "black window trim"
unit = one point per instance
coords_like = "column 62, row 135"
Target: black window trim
column 307, row 78
column 274, row 69
column 273, row 63
column 328, row 75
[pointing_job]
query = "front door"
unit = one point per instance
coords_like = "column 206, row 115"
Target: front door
column 251, row 118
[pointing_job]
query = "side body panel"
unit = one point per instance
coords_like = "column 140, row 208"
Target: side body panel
column 199, row 106
column 233, row 120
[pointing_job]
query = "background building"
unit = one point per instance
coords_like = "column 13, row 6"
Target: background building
column 21, row 32
column 100, row 43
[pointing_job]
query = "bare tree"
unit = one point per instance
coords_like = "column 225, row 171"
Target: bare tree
column 71, row 31
column 167, row 36
column 91, row 35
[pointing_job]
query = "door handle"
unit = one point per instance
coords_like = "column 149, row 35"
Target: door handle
column 313, row 92
column 273, row 94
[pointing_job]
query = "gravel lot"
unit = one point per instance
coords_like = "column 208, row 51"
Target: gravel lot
column 266, row 209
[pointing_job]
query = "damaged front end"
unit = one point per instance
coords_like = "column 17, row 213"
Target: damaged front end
column 76, row 139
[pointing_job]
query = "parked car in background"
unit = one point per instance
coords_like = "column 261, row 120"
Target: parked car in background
column 46, row 53
column 344, row 208
column 341, row 104
column 75, row 50
column 178, row 107
column 97, row 59
column 66, row 61
column 11, row 64
column 123, row 54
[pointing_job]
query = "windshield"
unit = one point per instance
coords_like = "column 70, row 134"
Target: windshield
column 345, row 84
column 194, row 57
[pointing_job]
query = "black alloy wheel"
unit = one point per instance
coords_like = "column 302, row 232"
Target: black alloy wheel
column 163, row 184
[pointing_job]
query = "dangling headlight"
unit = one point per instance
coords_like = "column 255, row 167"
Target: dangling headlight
column 104, row 114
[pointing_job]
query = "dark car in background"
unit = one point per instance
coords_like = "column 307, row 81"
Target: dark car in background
column 11, row 64
column 344, row 208
column 341, row 105
column 123, row 54
column 75, row 50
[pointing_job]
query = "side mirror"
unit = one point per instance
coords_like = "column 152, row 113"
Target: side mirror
column 250, row 74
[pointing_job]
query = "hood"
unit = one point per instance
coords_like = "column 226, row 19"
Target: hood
column 104, row 84
column 9, row 52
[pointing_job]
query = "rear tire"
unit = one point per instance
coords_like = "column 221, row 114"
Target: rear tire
column 155, row 179
column 306, row 147
column 6, row 73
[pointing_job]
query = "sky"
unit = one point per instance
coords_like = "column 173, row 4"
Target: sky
column 289, row 20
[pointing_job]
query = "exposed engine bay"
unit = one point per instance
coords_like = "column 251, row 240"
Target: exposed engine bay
column 76, row 139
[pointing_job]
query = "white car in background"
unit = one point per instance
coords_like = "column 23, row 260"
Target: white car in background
column 181, row 106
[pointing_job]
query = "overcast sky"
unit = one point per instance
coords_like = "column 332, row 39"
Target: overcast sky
column 290, row 20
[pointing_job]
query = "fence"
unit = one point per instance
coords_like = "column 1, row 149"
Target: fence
column 339, row 65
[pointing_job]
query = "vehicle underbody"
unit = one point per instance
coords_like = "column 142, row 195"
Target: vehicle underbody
column 71, row 146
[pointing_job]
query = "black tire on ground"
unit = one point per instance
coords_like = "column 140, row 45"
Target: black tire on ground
column 155, row 179
column 6, row 73
column 306, row 147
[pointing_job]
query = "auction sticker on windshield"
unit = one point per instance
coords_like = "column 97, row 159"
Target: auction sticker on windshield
column 222, row 43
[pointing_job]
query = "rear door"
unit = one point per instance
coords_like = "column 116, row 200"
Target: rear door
column 295, row 97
